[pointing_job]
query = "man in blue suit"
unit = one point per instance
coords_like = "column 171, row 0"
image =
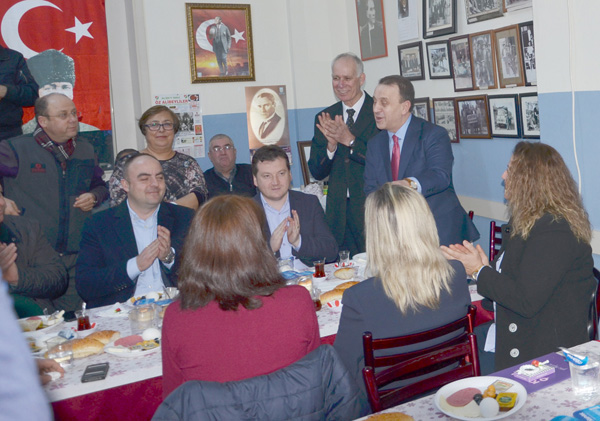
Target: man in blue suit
column 134, row 248
column 415, row 153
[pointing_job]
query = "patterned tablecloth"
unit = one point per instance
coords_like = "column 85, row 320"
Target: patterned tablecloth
column 542, row 405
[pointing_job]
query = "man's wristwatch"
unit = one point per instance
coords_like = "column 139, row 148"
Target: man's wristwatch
column 351, row 144
column 412, row 183
column 170, row 257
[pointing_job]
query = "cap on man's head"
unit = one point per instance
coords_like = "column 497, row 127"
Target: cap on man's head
column 52, row 66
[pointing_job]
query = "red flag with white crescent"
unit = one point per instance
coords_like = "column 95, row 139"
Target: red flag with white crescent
column 74, row 29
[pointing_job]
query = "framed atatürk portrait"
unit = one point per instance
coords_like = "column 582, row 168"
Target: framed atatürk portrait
column 444, row 114
column 462, row 70
column 528, row 47
column 220, row 42
column 473, row 118
column 439, row 18
column 530, row 115
column 478, row 10
column 411, row 61
column 512, row 5
column 508, row 52
column 371, row 29
column 438, row 58
column 421, row 108
column 505, row 120
column 483, row 58
column 304, row 153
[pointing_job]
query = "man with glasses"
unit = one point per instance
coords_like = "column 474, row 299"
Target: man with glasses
column 53, row 177
column 227, row 177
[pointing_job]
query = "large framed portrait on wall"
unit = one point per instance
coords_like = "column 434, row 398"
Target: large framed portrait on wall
column 371, row 29
column 220, row 42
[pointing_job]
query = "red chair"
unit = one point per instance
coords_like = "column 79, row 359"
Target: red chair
column 593, row 311
column 459, row 354
column 495, row 239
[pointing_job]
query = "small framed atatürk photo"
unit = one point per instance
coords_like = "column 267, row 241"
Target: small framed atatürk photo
column 473, row 118
column 444, row 114
column 508, row 52
column 528, row 47
column 462, row 69
column 411, row 61
column 220, row 42
column 438, row 58
column 530, row 115
column 478, row 10
column 505, row 120
column 439, row 18
column 304, row 152
column 421, row 108
column 371, row 29
column 484, row 60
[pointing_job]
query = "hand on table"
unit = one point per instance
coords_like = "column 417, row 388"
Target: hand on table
column 46, row 366
column 334, row 130
column 85, row 202
column 471, row 257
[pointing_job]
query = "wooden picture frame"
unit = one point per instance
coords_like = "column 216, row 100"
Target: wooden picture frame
column 444, row 114
column 528, row 53
column 421, row 108
column 234, row 65
column 479, row 10
column 462, row 68
column 530, row 115
column 512, row 5
column 509, row 57
column 304, row 153
column 505, row 119
column 410, row 57
column 483, row 57
column 439, row 18
column 371, row 29
column 438, row 59
column 473, row 118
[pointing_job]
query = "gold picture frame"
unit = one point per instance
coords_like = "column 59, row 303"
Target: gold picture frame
column 232, row 37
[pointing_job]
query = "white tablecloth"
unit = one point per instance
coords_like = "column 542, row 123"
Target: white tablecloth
column 542, row 405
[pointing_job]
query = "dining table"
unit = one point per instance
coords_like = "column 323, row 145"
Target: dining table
column 547, row 397
column 133, row 387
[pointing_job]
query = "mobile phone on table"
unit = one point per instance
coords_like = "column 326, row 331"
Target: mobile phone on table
column 95, row 372
column 69, row 316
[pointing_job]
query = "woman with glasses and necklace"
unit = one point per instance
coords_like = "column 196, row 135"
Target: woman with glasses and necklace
column 183, row 176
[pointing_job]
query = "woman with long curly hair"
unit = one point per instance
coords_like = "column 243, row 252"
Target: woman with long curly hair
column 542, row 279
column 234, row 318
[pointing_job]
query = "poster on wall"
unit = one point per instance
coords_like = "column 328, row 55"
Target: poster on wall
column 408, row 21
column 66, row 48
column 190, row 137
column 266, row 111
column 220, row 42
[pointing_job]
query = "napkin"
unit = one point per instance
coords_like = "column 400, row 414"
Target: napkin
column 113, row 311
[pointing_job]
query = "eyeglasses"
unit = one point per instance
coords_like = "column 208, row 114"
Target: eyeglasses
column 64, row 115
column 156, row 126
column 222, row 148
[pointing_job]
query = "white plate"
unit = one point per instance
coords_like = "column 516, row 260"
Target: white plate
column 128, row 354
column 481, row 383
column 41, row 332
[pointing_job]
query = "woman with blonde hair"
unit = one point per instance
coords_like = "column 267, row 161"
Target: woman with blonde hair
column 413, row 288
column 234, row 317
column 542, row 279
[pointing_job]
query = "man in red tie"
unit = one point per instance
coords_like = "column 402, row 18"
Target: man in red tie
column 415, row 153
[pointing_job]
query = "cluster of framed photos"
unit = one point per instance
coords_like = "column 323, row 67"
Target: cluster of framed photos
column 476, row 61
column 484, row 116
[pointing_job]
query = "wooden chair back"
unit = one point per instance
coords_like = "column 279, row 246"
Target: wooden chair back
column 495, row 239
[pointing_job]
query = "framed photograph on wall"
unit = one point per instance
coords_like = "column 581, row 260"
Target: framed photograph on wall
column 421, row 108
column 473, row 118
column 505, row 120
column 483, row 58
column 462, row 69
column 411, row 61
column 528, row 47
column 508, row 48
column 220, row 42
column 438, row 58
column 439, row 18
column 512, row 5
column 444, row 114
column 371, row 29
column 530, row 115
column 478, row 10
column 304, row 153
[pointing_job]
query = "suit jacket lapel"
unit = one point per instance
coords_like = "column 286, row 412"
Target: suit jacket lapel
column 124, row 229
column 364, row 117
column 165, row 217
column 413, row 136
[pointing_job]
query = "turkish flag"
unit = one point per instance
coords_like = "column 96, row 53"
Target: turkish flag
column 76, row 28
